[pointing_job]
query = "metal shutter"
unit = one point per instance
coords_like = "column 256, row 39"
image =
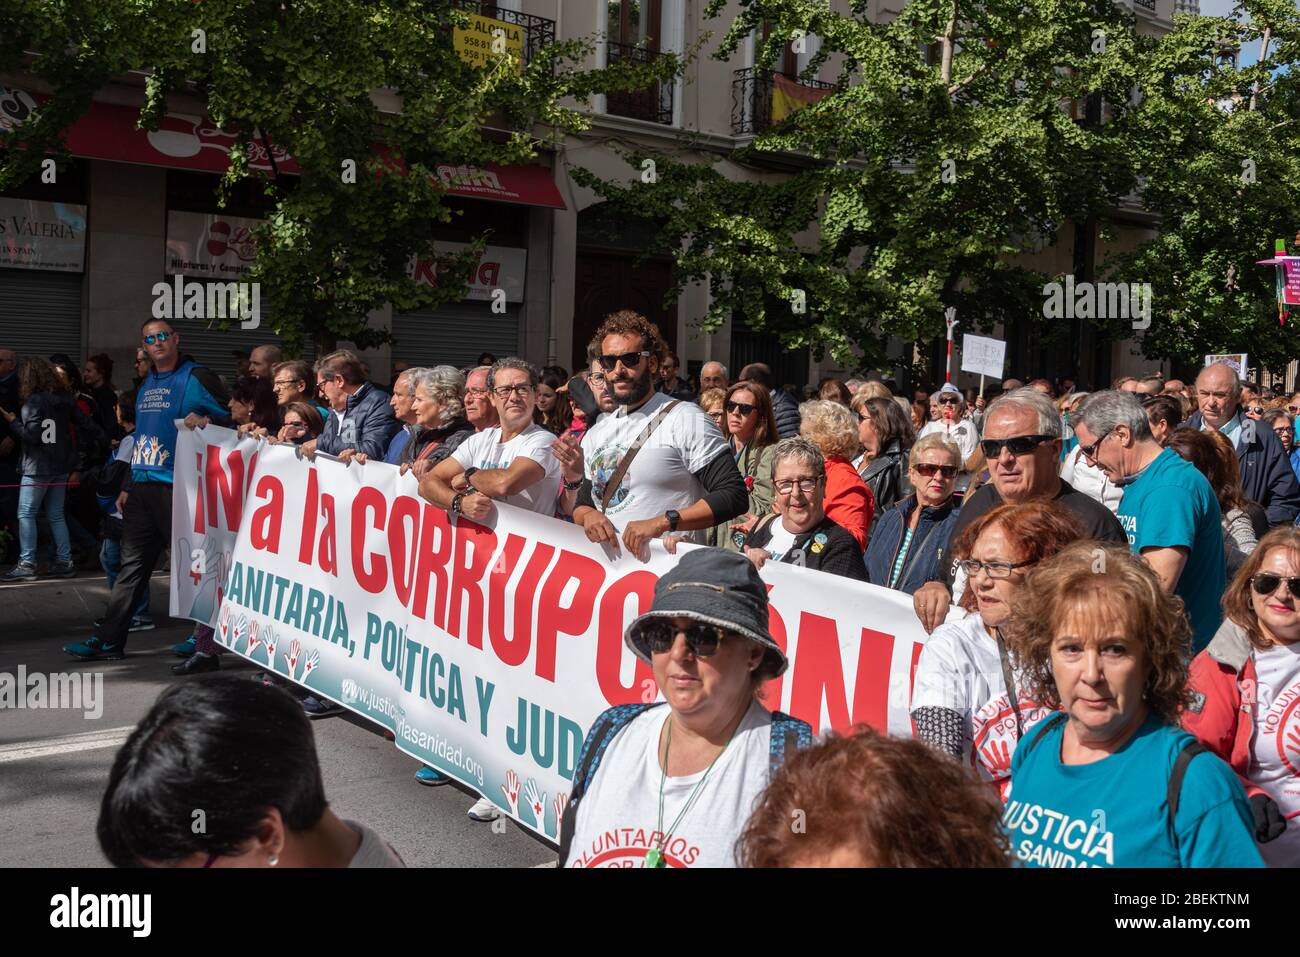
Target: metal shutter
column 456, row 334
column 40, row 312
column 212, row 346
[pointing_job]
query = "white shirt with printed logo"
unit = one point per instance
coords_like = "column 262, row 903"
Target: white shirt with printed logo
column 662, row 475
column 960, row 670
column 618, row 819
column 485, row 450
column 1275, row 759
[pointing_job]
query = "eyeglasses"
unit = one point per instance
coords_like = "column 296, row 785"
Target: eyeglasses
column 996, row 570
column 929, row 470
column 1265, row 583
column 1091, row 450
column 629, row 359
column 283, row 383
column 505, row 391
column 1293, row 409
column 597, row 377
column 949, row 400
column 1280, row 429
column 1255, row 409
column 716, row 416
column 157, row 337
column 295, row 425
column 806, row 485
column 1016, row 445
column 481, row 393
column 701, row 640
column 744, row 408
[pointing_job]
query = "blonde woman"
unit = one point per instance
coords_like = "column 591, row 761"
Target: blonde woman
column 833, row 429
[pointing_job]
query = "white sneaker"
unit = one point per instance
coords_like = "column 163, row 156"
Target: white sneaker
column 484, row 810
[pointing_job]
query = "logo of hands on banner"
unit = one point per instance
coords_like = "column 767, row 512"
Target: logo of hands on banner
column 223, row 627
column 535, row 801
column 200, row 573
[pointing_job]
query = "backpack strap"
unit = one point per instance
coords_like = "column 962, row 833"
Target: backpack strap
column 788, row 735
column 607, row 725
column 1190, row 750
column 1036, row 734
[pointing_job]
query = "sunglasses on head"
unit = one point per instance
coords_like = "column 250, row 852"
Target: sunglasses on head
column 1265, row 583
column 929, row 470
column 1016, row 445
column 630, row 360
column 157, row 337
column 701, row 640
column 744, row 408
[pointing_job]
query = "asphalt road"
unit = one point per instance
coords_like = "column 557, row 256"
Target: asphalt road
column 54, row 763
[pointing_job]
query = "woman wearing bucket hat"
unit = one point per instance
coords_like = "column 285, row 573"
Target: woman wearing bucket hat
column 673, row 786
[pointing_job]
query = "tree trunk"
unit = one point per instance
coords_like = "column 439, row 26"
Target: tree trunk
column 1263, row 55
column 945, row 64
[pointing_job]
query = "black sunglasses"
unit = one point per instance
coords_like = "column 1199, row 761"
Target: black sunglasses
column 949, row 400
column 701, row 640
column 744, row 408
column 1091, row 450
column 1265, row 583
column 928, row 470
column 1016, row 445
column 630, row 360
column 1256, row 409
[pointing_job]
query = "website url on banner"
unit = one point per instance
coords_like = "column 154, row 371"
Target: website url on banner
column 440, row 746
column 1203, row 924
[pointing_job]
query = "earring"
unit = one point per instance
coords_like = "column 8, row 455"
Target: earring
column 273, row 860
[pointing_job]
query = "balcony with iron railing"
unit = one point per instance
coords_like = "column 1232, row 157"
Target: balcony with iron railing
column 537, row 32
column 654, row 104
column 762, row 98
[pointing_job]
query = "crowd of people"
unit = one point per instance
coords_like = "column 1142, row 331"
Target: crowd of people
column 1108, row 580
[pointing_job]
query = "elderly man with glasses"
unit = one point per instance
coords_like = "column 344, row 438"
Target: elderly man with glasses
column 1022, row 443
column 1266, row 476
column 1169, row 511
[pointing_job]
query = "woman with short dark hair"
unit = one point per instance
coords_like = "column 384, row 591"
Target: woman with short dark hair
column 243, row 752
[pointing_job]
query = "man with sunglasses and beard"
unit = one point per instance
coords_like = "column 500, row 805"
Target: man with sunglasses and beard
column 1169, row 511
column 1022, row 443
column 681, row 477
column 175, row 388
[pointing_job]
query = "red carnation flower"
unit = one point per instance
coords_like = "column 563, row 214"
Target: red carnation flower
column 749, row 482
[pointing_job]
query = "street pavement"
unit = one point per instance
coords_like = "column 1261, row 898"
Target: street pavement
column 54, row 763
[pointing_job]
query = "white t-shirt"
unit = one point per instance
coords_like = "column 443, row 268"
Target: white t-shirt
column 662, row 475
column 781, row 541
column 961, row 431
column 618, row 819
column 1275, row 761
column 960, row 670
column 485, row 450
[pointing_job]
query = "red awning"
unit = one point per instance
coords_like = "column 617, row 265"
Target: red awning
column 188, row 141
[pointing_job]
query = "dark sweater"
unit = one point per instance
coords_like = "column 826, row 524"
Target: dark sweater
column 825, row 547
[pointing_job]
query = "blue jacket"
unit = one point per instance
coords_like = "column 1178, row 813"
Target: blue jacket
column 786, row 411
column 368, row 425
column 1266, row 475
column 926, row 555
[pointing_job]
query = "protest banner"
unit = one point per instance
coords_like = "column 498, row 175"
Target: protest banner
column 488, row 649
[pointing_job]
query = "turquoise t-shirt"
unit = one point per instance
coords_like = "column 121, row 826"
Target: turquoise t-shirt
column 1171, row 503
column 1115, row 812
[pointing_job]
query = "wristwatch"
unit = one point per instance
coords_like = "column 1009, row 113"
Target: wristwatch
column 673, row 517
column 573, row 486
column 455, row 502
column 469, row 475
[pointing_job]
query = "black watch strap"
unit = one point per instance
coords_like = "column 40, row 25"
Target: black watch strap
column 673, row 517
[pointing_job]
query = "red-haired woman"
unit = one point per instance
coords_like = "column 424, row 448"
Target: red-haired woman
column 963, row 702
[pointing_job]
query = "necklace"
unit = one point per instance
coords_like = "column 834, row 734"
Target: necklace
column 655, row 856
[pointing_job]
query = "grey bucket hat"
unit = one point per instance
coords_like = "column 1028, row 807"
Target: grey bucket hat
column 718, row 588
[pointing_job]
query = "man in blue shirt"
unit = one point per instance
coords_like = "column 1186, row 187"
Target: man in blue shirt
column 1169, row 510
column 176, row 388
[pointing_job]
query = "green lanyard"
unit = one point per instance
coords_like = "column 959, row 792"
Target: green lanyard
column 655, row 856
